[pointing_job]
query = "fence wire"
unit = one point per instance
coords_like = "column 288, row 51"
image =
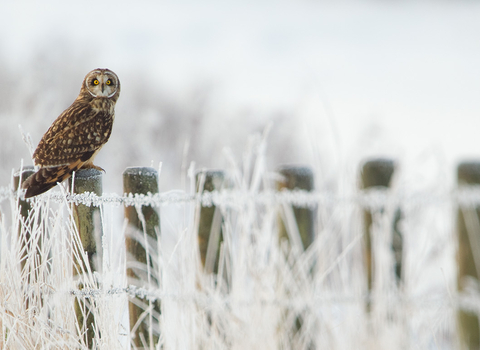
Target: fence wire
column 372, row 198
column 431, row 300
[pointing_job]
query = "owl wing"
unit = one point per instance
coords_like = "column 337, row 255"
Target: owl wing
column 76, row 134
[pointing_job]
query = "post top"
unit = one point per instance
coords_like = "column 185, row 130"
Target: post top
column 469, row 172
column 296, row 177
column 23, row 174
column 213, row 179
column 377, row 172
column 140, row 180
column 140, row 171
column 84, row 174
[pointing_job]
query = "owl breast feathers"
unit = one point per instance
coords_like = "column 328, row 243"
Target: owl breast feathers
column 77, row 135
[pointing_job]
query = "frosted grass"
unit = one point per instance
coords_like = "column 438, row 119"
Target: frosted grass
column 268, row 294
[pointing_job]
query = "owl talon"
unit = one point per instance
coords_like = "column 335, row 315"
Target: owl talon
column 98, row 168
column 92, row 166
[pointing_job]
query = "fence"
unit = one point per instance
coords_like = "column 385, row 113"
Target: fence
column 252, row 264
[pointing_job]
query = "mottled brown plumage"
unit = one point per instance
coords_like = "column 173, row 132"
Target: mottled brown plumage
column 77, row 135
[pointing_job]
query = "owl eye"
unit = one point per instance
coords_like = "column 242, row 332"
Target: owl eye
column 108, row 82
column 96, row 82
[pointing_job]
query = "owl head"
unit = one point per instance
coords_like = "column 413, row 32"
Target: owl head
column 100, row 83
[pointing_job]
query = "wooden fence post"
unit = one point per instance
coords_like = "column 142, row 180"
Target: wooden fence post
column 468, row 255
column 379, row 173
column 298, row 178
column 210, row 235
column 297, row 225
column 18, row 179
column 24, row 207
column 141, row 244
column 89, row 226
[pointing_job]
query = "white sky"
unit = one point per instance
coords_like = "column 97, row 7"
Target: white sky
column 405, row 73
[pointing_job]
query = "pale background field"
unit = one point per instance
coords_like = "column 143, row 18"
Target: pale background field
column 350, row 78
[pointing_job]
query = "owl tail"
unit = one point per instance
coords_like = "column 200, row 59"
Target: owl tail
column 47, row 178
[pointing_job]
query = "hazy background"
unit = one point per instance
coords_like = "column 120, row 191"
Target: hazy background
column 338, row 81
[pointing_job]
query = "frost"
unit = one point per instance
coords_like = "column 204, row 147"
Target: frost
column 371, row 199
column 262, row 280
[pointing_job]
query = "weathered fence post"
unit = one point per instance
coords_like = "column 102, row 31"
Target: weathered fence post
column 18, row 179
column 89, row 226
column 210, row 234
column 298, row 178
column 468, row 255
column 141, row 243
column 297, row 225
column 379, row 173
column 24, row 207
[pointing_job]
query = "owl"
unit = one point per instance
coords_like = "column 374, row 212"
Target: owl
column 76, row 136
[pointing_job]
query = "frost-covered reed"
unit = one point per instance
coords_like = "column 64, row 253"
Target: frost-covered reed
column 268, row 293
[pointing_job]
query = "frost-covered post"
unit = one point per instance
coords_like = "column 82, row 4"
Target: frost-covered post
column 141, row 242
column 87, row 218
column 297, row 178
column 378, row 173
column 210, row 234
column 296, row 224
column 468, row 255
column 18, row 179
column 24, row 207
column 89, row 225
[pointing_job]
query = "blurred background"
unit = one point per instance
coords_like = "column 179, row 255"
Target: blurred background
column 334, row 81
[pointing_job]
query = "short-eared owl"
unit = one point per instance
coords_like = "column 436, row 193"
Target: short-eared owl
column 77, row 135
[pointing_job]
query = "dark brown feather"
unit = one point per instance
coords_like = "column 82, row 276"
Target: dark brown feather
column 46, row 178
column 78, row 130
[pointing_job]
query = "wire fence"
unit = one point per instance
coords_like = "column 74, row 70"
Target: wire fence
column 372, row 199
column 293, row 292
